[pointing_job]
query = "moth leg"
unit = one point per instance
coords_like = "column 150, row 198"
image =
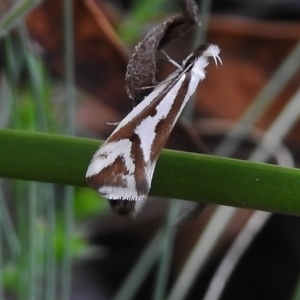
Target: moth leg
column 146, row 87
column 172, row 61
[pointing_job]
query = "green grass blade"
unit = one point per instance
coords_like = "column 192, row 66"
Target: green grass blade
column 13, row 16
column 204, row 12
column 36, row 81
column 180, row 175
column 33, row 240
column 166, row 251
column 1, row 260
column 9, row 232
column 69, row 126
column 69, row 66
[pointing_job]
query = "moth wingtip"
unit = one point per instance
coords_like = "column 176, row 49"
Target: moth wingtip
column 112, row 197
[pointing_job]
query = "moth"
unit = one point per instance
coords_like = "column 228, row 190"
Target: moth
column 121, row 170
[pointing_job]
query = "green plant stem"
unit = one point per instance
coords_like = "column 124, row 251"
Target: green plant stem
column 1, row 260
column 166, row 251
column 205, row 10
column 68, row 232
column 13, row 16
column 50, row 265
column 36, row 80
column 33, row 240
column 9, row 232
column 12, row 79
column 69, row 126
column 204, row 16
column 180, row 175
column 22, row 231
column 69, row 67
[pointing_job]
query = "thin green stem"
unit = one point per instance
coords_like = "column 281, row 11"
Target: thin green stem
column 12, row 17
column 1, row 259
column 205, row 10
column 36, row 81
column 166, row 251
column 69, row 66
column 204, row 15
column 33, row 240
column 69, row 129
column 9, row 232
column 49, row 211
column 5, row 107
column 67, row 256
column 12, row 81
column 22, row 260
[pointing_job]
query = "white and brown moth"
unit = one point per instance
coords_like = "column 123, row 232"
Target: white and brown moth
column 122, row 168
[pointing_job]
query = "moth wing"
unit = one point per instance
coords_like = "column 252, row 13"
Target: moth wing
column 114, row 173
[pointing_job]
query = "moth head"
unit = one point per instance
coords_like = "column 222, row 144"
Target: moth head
column 212, row 51
column 204, row 51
